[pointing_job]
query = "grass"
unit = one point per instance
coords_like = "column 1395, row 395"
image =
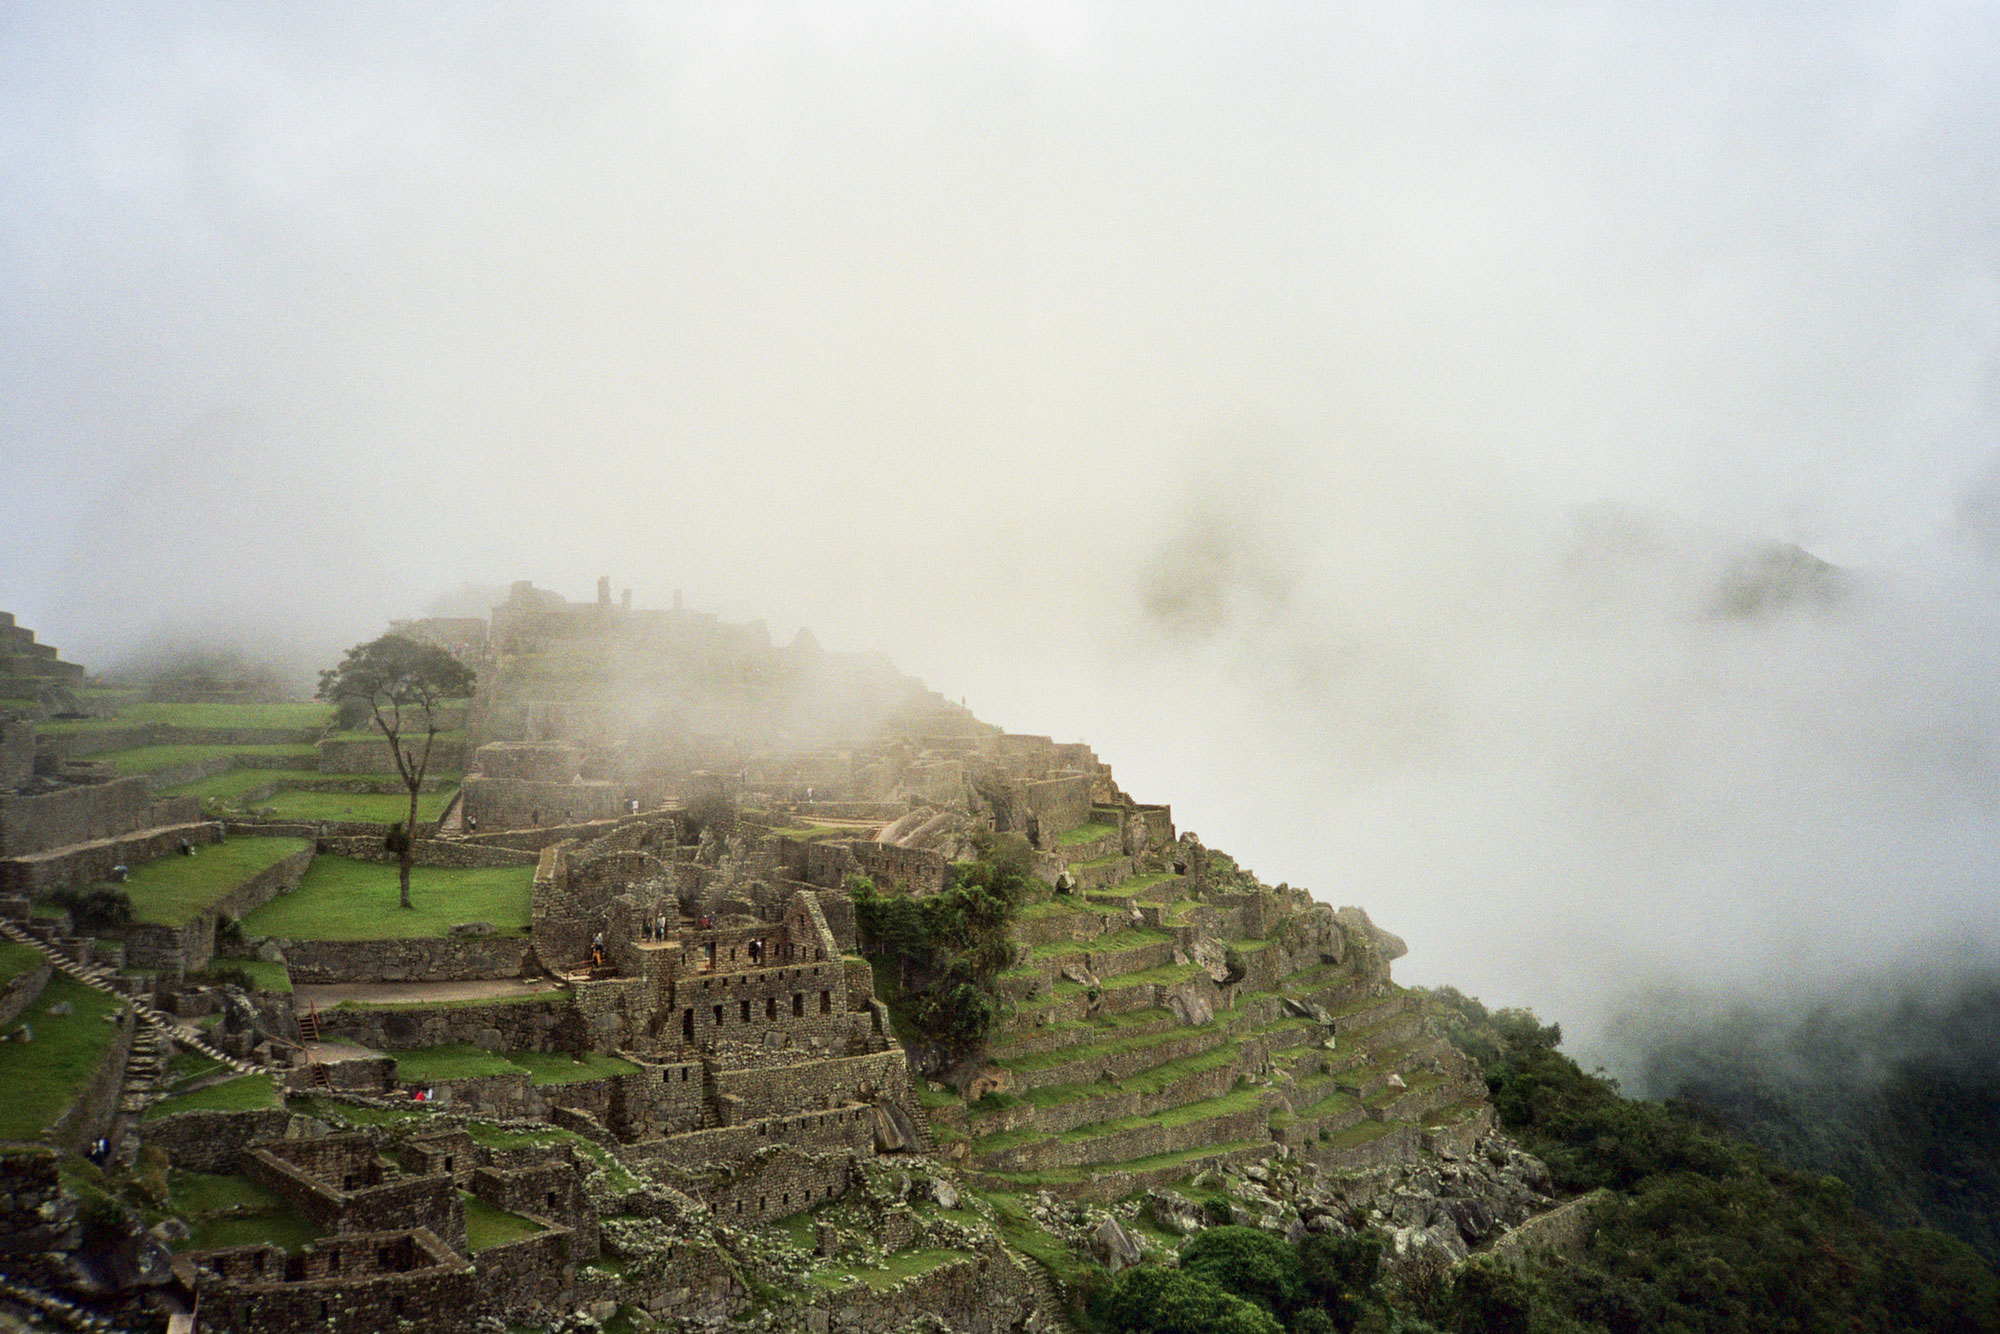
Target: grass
column 486, row 1226
column 268, row 976
column 1151, row 1162
column 1086, row 833
column 147, row 759
column 344, row 899
column 895, row 1268
column 456, row 1060
column 1131, row 885
column 16, row 960
column 233, row 783
column 43, row 1077
column 246, row 1093
column 174, row 890
column 233, row 1211
column 558, row 1068
column 363, row 807
column 459, row 1061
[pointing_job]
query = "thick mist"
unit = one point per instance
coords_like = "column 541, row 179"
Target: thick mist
column 1345, row 419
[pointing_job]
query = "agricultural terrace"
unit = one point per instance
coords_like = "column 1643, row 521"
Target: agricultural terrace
column 173, row 891
column 370, row 808
column 345, row 899
column 43, row 1077
column 270, row 717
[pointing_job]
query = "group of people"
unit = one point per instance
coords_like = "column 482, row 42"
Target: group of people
column 656, row 928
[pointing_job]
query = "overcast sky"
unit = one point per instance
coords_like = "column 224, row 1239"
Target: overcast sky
column 1220, row 385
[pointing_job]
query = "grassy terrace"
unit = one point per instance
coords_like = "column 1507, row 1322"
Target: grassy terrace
column 1115, row 942
column 1150, row 1163
column 147, row 759
column 234, row 1211
column 1132, row 885
column 458, row 1061
column 486, row 1226
column 43, row 1077
column 344, row 899
column 895, row 1267
column 247, row 1093
column 292, row 716
column 16, row 960
column 173, row 891
column 233, row 783
column 1086, row 833
column 370, row 808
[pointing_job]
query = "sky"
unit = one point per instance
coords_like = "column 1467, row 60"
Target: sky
column 1339, row 415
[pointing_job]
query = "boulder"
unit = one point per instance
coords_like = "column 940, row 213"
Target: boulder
column 1189, row 1003
column 1077, row 973
column 893, row 1131
column 1115, row 1247
column 1176, row 1213
column 1212, row 955
column 470, row 929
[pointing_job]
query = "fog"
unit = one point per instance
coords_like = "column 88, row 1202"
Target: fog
column 1341, row 417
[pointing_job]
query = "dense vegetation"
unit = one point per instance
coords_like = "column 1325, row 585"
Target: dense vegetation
column 1898, row 1096
column 946, row 949
column 1699, row 1232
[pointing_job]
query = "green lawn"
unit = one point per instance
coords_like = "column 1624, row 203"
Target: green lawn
column 16, row 960
column 173, row 890
column 1086, row 833
column 273, row 977
column 454, row 1061
column 344, row 899
column 458, row 1061
column 233, row 783
column 233, row 1211
column 895, row 1267
column 147, row 759
column 487, row 1226
column 559, row 1068
column 370, row 807
column 246, row 1093
column 43, row 1077
column 231, row 715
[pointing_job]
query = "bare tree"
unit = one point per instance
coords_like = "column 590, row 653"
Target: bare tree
column 403, row 682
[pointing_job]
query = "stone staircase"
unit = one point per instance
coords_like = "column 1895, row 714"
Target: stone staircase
column 106, row 980
column 1048, row 1297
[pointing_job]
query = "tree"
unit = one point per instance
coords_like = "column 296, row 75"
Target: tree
column 403, row 682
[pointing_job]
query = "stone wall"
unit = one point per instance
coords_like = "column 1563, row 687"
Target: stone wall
column 79, row 814
column 17, row 755
column 530, row 1275
column 923, row 871
column 767, row 1090
column 429, row 852
column 524, row 1025
column 39, row 875
column 415, row 959
column 338, row 1183
column 775, row 1182
column 1059, row 804
column 35, row 1216
column 553, row 1191
column 986, row 1293
column 213, row 1141
column 504, row 803
column 804, row 1002
column 361, row 1283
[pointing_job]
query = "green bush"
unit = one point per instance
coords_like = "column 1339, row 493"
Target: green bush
column 1173, row 1301
column 1253, row 1264
column 102, row 911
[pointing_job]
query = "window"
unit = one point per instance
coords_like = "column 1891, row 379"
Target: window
column 746, row 1011
column 770, row 1007
column 826, row 1002
column 798, row 1004
column 718, row 1016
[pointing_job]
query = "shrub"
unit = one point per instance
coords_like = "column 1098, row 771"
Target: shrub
column 1174, row 1301
column 96, row 912
column 1251, row 1263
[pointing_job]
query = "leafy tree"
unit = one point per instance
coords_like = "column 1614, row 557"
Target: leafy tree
column 947, row 947
column 1342, row 1272
column 1175, row 1301
column 1253, row 1264
column 403, row 682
